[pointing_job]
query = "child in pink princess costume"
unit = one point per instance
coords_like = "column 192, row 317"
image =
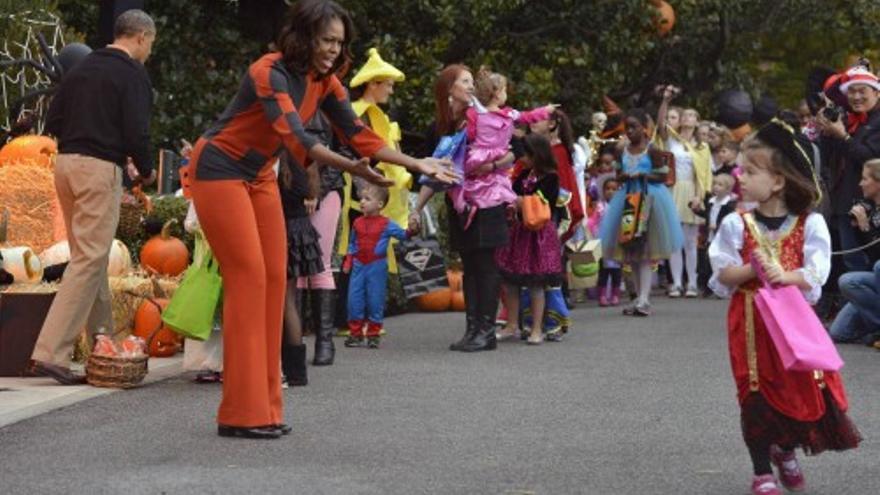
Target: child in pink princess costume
column 489, row 129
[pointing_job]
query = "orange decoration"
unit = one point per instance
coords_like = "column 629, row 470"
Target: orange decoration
column 147, row 319
column 438, row 300
column 33, row 149
column 457, row 301
column 665, row 19
column 164, row 253
column 454, row 277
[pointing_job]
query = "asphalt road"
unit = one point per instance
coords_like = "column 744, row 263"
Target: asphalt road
column 623, row 406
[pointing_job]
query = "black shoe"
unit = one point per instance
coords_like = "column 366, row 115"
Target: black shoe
column 468, row 335
column 256, row 432
column 324, row 309
column 354, row 342
column 60, row 374
column 293, row 364
column 283, row 428
column 484, row 338
column 373, row 342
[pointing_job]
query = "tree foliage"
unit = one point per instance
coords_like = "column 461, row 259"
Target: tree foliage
column 570, row 52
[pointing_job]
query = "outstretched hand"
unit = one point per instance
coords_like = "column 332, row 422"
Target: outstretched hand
column 361, row 168
column 439, row 169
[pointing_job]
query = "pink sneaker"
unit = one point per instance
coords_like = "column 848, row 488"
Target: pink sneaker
column 603, row 300
column 765, row 485
column 790, row 473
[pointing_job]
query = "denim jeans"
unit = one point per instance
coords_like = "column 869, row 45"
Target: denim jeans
column 855, row 262
column 859, row 320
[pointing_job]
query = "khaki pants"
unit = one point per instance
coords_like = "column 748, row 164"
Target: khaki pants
column 89, row 191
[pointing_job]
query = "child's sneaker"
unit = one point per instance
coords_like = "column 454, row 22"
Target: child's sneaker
column 765, row 485
column 354, row 341
column 790, row 473
column 554, row 335
column 603, row 300
column 615, row 297
column 373, row 342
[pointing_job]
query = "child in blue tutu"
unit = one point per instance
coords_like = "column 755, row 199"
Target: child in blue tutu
column 642, row 171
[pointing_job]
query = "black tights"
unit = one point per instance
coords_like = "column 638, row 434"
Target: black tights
column 293, row 331
column 761, row 458
column 482, row 283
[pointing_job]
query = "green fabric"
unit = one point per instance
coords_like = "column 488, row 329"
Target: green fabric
column 191, row 310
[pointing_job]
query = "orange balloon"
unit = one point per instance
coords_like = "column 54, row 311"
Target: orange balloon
column 40, row 150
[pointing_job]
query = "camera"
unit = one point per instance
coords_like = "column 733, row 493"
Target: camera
column 832, row 113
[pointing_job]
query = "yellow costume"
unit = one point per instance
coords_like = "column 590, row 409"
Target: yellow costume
column 683, row 191
column 397, row 208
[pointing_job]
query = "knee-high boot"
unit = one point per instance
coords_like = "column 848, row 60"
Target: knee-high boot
column 293, row 364
column 471, row 299
column 324, row 310
column 487, row 286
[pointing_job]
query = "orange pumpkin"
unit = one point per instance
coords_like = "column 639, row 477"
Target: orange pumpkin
column 457, row 303
column 437, row 300
column 147, row 319
column 665, row 19
column 454, row 278
column 165, row 253
column 38, row 150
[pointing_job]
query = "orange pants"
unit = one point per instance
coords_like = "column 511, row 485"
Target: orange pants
column 244, row 224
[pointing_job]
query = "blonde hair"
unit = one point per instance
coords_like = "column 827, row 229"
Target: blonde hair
column 873, row 167
column 487, row 84
column 727, row 179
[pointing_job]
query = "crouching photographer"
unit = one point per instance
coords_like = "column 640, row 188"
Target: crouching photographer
column 859, row 321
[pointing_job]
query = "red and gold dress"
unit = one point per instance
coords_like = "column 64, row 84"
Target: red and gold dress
column 786, row 408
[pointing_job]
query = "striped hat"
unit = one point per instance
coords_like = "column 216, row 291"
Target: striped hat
column 859, row 75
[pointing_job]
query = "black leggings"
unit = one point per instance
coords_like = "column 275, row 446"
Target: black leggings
column 482, row 283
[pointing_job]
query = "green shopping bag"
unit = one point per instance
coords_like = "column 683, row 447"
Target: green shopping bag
column 191, row 310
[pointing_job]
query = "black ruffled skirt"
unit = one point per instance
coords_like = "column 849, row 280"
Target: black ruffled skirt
column 303, row 248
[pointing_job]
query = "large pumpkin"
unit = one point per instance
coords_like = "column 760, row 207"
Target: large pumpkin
column 457, row 301
column 438, row 300
column 147, row 319
column 665, row 19
column 32, row 149
column 454, row 278
column 165, row 253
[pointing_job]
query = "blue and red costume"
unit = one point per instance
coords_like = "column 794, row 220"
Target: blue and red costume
column 368, row 262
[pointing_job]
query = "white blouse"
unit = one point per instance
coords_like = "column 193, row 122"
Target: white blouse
column 725, row 248
column 684, row 162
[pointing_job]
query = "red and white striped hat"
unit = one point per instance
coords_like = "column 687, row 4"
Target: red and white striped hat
column 859, row 75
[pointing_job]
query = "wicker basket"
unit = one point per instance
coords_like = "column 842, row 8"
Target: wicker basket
column 116, row 371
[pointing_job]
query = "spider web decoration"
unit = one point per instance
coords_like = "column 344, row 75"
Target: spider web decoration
column 20, row 79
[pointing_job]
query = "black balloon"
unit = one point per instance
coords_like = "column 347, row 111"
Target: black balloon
column 71, row 54
column 734, row 108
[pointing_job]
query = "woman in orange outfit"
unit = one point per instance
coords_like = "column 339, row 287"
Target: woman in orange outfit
column 237, row 200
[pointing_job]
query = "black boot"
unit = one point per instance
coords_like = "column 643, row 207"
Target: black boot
column 293, row 363
column 469, row 333
column 324, row 310
column 484, row 338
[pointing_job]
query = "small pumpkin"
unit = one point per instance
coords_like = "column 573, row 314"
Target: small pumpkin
column 164, row 253
column 438, row 300
column 147, row 319
column 455, row 280
column 457, row 301
column 32, row 149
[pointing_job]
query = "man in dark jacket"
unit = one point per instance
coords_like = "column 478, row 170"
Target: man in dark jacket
column 848, row 142
column 101, row 117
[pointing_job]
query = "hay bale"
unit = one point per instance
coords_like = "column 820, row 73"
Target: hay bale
column 29, row 193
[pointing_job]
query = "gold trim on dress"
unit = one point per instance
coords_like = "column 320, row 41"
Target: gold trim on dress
column 751, row 348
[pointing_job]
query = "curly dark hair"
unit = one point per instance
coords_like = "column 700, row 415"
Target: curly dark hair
column 305, row 22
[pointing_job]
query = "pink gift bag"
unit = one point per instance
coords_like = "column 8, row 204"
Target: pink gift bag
column 800, row 338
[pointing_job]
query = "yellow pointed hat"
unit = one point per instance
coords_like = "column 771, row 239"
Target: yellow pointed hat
column 376, row 68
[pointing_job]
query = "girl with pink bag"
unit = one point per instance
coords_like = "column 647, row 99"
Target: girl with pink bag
column 780, row 409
